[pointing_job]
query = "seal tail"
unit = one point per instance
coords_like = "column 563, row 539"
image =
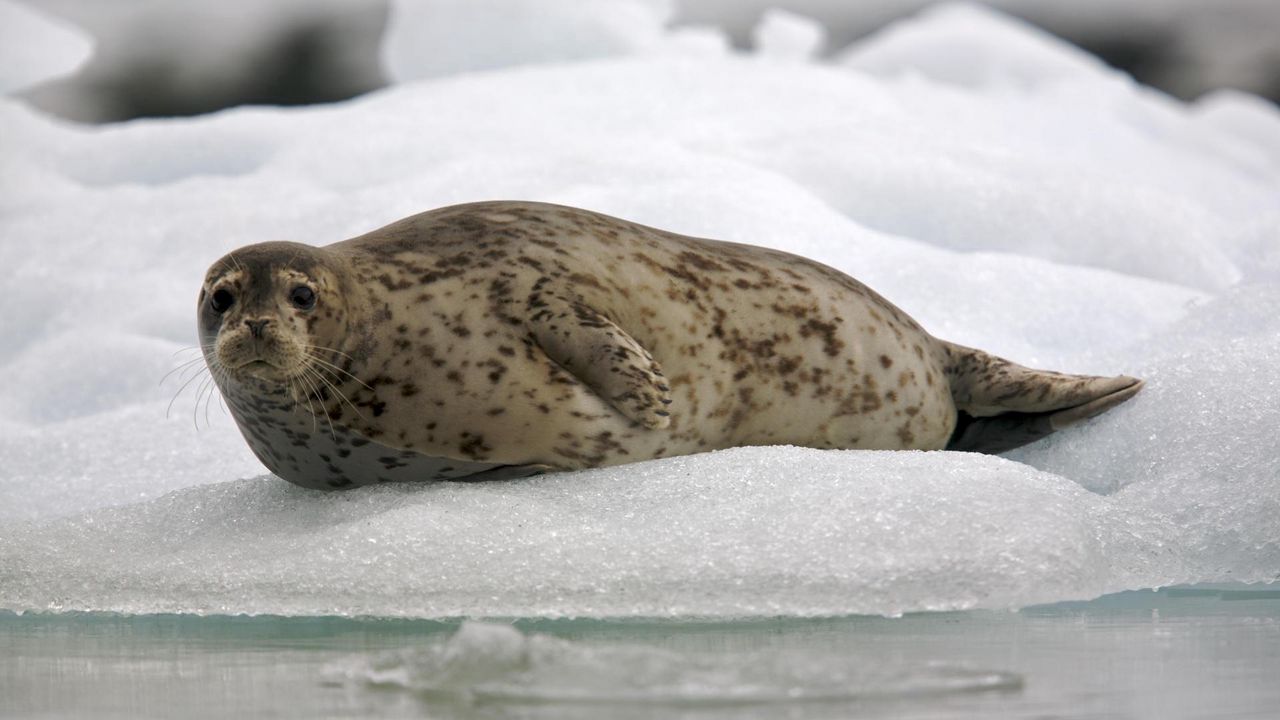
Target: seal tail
column 1002, row 405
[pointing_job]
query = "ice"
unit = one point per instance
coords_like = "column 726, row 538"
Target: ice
column 35, row 47
column 198, row 56
column 439, row 37
column 1249, row 129
column 1196, row 464
column 748, row 532
column 787, row 36
column 490, row 663
column 972, row 46
column 1070, row 219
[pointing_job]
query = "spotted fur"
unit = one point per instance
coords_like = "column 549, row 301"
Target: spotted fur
column 510, row 337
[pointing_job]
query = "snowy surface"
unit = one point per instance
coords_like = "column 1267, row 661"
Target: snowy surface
column 1034, row 204
column 431, row 39
column 783, row 35
column 35, row 47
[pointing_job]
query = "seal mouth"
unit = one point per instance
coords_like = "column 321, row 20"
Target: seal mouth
column 258, row 368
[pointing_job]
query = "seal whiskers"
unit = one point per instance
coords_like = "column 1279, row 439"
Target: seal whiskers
column 307, row 376
column 335, row 369
column 202, row 374
column 333, row 387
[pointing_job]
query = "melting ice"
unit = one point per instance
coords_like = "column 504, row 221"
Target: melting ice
column 1026, row 200
column 488, row 663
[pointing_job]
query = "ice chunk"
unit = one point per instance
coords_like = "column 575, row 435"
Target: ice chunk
column 1248, row 128
column 484, row 662
column 427, row 39
column 35, row 47
column 126, row 455
column 1081, row 224
column 746, row 532
column 1194, row 461
column 972, row 46
column 784, row 35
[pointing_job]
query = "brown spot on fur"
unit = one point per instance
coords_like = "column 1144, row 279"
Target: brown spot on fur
column 473, row 446
column 831, row 343
column 905, row 435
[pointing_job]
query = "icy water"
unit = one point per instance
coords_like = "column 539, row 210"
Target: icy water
column 1177, row 653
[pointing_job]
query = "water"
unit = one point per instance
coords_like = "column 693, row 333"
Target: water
column 1178, row 653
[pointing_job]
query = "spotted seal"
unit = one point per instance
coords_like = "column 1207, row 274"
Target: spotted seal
column 501, row 339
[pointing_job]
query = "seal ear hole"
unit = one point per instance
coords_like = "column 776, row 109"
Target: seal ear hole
column 302, row 297
column 221, row 301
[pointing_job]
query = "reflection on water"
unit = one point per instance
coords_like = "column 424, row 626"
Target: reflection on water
column 1199, row 652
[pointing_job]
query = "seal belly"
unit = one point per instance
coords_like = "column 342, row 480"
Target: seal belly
column 307, row 450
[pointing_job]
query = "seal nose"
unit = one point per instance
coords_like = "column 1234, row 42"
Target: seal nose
column 256, row 327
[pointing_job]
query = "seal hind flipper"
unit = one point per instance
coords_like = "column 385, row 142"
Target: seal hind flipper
column 1002, row 405
column 605, row 358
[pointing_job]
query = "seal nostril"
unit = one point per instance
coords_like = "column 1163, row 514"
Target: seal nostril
column 256, row 326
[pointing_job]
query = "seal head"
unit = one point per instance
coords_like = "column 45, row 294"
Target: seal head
column 285, row 334
column 273, row 311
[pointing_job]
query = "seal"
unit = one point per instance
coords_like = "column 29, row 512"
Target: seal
column 501, row 339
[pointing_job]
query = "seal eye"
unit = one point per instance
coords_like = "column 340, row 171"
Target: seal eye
column 221, row 301
column 302, row 297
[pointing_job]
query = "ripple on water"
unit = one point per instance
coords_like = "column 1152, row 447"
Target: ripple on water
column 489, row 663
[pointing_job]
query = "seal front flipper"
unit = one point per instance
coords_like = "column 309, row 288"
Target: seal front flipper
column 605, row 358
column 1002, row 405
column 506, row 472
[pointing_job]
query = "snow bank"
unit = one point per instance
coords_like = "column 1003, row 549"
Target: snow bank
column 440, row 37
column 783, row 35
column 1070, row 220
column 35, row 47
column 972, row 46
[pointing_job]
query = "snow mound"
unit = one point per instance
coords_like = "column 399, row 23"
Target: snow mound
column 35, row 47
column 1248, row 128
column 1196, row 458
column 971, row 46
column 438, row 37
column 787, row 36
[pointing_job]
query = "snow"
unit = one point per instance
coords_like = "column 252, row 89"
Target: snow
column 35, row 47
column 972, row 46
column 1066, row 218
column 784, row 35
column 428, row 39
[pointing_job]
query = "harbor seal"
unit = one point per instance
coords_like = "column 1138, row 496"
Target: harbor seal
column 501, row 339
